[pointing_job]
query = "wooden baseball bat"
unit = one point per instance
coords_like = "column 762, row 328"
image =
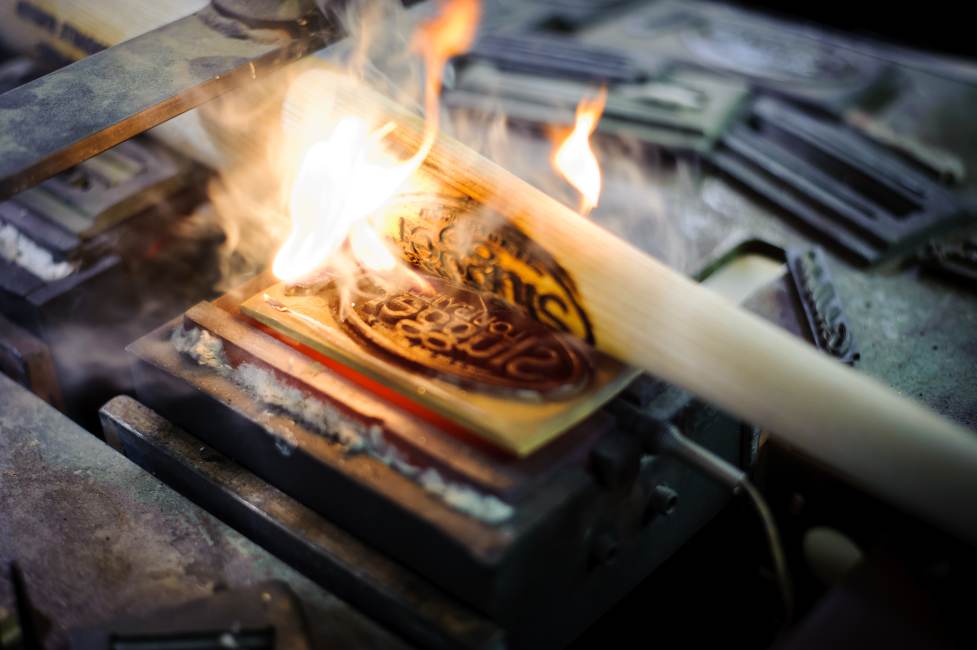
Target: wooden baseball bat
column 645, row 314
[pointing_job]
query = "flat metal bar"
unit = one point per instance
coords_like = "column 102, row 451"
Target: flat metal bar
column 72, row 114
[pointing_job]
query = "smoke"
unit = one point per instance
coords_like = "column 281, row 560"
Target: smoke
column 262, row 142
column 645, row 195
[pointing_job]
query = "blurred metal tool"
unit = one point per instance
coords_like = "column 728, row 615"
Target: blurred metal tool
column 683, row 110
column 556, row 57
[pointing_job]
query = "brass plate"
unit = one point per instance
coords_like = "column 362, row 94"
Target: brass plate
column 505, row 413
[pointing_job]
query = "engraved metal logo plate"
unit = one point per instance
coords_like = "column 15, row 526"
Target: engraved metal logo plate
column 465, row 337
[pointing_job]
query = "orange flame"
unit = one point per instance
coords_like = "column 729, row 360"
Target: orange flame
column 348, row 175
column 447, row 35
column 574, row 158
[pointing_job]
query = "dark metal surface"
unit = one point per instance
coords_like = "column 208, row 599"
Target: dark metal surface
column 392, row 594
column 25, row 634
column 784, row 58
column 67, row 116
column 97, row 537
column 264, row 616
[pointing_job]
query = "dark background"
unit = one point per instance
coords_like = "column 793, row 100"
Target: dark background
column 937, row 25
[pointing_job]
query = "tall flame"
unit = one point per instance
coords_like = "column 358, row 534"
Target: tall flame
column 447, row 35
column 574, row 158
column 348, row 175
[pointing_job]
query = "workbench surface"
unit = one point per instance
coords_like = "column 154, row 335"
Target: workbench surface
column 97, row 537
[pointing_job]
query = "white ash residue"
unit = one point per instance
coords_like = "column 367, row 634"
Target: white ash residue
column 355, row 437
column 487, row 508
column 202, row 346
column 265, row 386
column 18, row 248
column 208, row 350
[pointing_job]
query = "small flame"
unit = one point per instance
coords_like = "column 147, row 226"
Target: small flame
column 346, row 177
column 574, row 158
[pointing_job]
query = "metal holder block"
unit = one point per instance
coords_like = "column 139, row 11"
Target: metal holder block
column 101, row 191
column 551, row 562
column 592, row 513
column 79, row 259
column 555, row 58
column 27, row 361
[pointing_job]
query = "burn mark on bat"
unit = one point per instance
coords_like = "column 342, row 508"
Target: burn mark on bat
column 487, row 253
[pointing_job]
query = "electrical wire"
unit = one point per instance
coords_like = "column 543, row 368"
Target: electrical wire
column 776, row 548
column 671, row 441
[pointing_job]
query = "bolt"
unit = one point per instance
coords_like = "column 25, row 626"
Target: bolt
column 661, row 501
